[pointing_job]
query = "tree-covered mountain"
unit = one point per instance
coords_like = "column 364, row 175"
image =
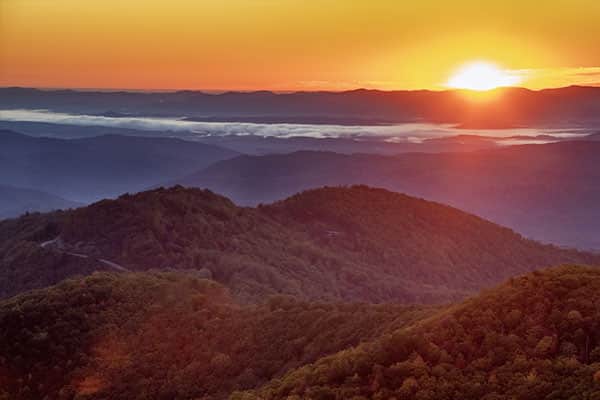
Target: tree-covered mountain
column 352, row 244
column 89, row 169
column 168, row 336
column 535, row 337
column 15, row 201
column 547, row 192
column 174, row 336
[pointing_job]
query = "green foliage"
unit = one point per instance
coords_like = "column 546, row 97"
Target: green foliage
column 333, row 244
column 536, row 337
column 168, row 336
column 158, row 335
column 24, row 265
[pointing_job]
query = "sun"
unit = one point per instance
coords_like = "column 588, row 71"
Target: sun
column 481, row 75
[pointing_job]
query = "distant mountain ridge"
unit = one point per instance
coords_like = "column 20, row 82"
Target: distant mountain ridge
column 573, row 105
column 260, row 145
column 89, row 169
column 351, row 244
column 15, row 201
column 548, row 192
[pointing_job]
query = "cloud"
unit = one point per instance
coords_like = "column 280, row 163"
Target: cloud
column 188, row 129
column 558, row 77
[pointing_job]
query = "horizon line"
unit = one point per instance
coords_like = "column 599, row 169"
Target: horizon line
column 224, row 91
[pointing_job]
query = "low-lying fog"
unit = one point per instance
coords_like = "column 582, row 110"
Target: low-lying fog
column 191, row 130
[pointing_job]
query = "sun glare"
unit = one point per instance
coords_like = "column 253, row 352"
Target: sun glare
column 482, row 76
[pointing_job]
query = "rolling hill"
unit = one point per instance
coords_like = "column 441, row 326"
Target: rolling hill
column 89, row 169
column 547, row 192
column 171, row 335
column 535, row 337
column 15, row 201
column 333, row 244
column 166, row 335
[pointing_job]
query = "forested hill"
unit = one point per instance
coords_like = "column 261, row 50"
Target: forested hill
column 351, row 244
column 168, row 336
column 548, row 192
column 535, row 337
column 157, row 335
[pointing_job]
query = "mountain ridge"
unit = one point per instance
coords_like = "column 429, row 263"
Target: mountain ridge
column 514, row 106
column 546, row 191
column 330, row 244
column 15, row 201
column 165, row 334
column 88, row 169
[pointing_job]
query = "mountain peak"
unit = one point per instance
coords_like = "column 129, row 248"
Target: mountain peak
column 335, row 243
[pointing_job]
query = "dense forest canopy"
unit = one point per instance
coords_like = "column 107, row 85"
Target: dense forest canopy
column 535, row 337
column 344, row 243
column 157, row 335
column 209, row 300
column 168, row 336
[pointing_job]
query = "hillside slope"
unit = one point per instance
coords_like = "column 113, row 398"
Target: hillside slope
column 15, row 201
column 166, row 335
column 535, row 337
column 89, row 169
column 352, row 244
column 171, row 335
column 547, row 192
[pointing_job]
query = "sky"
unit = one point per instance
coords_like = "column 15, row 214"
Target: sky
column 293, row 44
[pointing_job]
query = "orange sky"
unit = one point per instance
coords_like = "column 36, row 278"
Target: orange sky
column 293, row 44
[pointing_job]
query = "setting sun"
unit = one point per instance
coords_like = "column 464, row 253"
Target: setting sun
column 482, row 76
